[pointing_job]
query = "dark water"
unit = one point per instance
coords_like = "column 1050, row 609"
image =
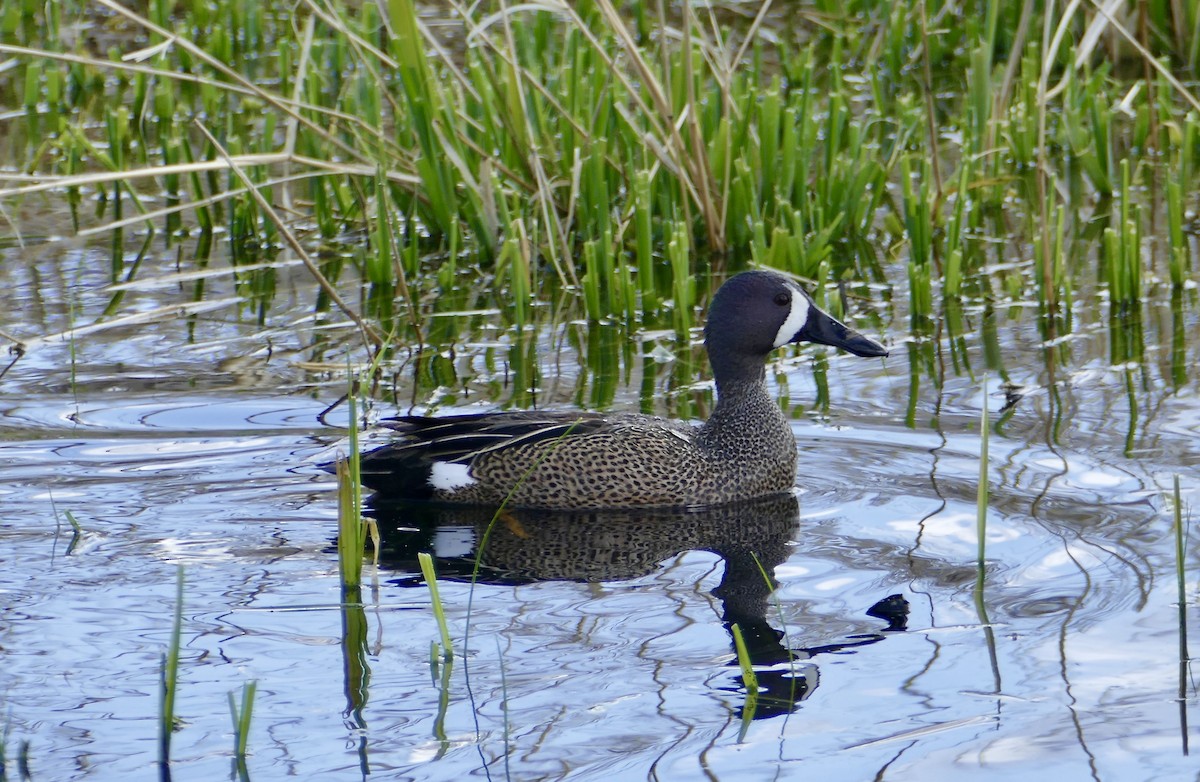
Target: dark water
column 595, row 647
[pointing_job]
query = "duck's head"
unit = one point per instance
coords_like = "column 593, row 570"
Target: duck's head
column 757, row 311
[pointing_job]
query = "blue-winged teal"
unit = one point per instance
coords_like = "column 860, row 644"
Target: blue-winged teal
column 594, row 460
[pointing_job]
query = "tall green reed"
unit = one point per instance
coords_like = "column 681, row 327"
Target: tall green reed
column 353, row 528
column 169, row 678
column 749, row 680
column 982, row 502
column 573, row 144
column 1181, row 596
column 241, row 715
column 439, row 610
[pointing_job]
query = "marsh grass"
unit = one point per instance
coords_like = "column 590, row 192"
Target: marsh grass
column 353, row 532
column 570, row 145
column 749, row 680
column 241, row 716
column 982, row 501
column 353, row 528
column 24, row 767
column 982, row 492
column 5, row 735
column 169, row 680
column 618, row 158
column 76, row 532
column 507, row 736
column 441, row 671
column 1185, row 661
column 76, row 527
column 1179, row 531
column 439, row 610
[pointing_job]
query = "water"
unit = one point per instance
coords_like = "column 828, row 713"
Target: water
column 593, row 647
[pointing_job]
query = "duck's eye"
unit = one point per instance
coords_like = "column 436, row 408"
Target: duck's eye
column 783, row 299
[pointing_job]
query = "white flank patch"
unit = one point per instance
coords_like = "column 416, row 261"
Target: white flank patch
column 450, row 476
column 795, row 319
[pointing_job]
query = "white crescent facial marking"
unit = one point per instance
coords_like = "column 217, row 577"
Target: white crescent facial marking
column 450, row 476
column 796, row 318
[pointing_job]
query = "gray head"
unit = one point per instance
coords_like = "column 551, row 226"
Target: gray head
column 757, row 311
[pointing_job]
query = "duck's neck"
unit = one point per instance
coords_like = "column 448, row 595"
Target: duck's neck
column 747, row 438
column 743, row 406
column 750, row 385
column 737, row 376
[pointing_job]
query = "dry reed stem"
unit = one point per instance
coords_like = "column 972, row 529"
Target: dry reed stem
column 369, row 333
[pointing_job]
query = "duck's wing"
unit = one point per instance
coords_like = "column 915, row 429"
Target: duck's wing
column 437, row 456
column 460, row 438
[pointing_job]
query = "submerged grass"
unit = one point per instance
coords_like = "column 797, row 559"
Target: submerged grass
column 982, row 493
column 622, row 153
column 1180, row 535
column 507, row 736
column 353, row 528
column 170, row 680
column 749, row 680
column 352, row 535
column 24, row 768
column 241, row 716
column 439, row 611
column 619, row 155
column 1185, row 661
column 5, row 734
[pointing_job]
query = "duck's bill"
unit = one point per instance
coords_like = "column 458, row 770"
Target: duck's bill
column 824, row 329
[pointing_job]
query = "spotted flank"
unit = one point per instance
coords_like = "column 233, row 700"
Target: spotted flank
column 572, row 460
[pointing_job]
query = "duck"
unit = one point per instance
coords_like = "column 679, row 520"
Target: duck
column 574, row 460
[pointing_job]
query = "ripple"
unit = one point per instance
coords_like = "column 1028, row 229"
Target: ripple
column 1075, row 612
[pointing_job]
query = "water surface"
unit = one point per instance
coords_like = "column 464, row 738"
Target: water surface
column 595, row 646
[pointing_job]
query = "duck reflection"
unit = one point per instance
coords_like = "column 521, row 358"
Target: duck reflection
column 525, row 546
